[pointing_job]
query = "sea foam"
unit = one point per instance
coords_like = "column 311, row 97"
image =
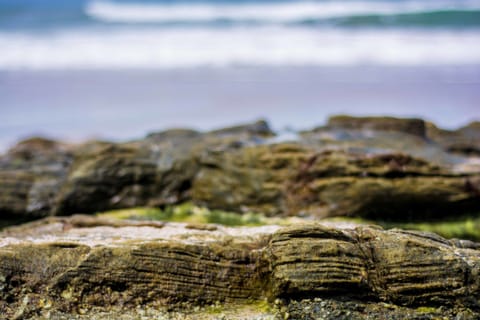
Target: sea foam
column 161, row 48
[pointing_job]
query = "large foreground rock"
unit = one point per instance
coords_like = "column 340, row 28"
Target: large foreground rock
column 383, row 168
column 71, row 265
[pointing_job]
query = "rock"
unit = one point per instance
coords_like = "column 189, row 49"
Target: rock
column 76, row 267
column 383, row 168
column 114, row 176
column 351, row 309
column 31, row 174
column 406, row 268
column 127, row 266
column 411, row 126
column 15, row 189
column 173, row 134
column 364, row 139
column 291, row 178
column 464, row 141
column 249, row 178
column 259, row 128
column 37, row 147
column 156, row 171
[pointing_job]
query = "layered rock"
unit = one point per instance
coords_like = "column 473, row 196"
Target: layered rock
column 39, row 177
column 372, row 167
column 295, row 178
column 59, row 264
column 31, row 175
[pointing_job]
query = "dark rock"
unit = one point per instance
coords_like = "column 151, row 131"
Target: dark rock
column 372, row 167
column 114, row 176
column 465, row 140
column 364, row 139
column 31, row 174
column 258, row 128
column 290, row 178
column 157, row 171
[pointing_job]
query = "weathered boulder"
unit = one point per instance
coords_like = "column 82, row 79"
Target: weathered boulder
column 31, row 174
column 110, row 176
column 68, row 265
column 258, row 128
column 40, row 177
column 156, row 171
column 374, row 135
column 294, row 178
column 382, row 168
column 397, row 266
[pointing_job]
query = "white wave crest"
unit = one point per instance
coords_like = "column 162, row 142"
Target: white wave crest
column 158, row 48
column 270, row 12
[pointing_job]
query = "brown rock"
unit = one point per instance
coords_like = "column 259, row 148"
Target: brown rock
column 31, row 174
column 86, row 267
column 291, row 178
column 464, row 141
column 410, row 126
column 389, row 171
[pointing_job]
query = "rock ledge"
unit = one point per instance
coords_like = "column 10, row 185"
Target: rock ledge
column 70, row 264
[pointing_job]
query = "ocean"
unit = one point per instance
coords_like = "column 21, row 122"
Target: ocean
column 104, row 34
column 119, row 68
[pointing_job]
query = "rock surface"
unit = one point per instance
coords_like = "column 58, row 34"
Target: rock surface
column 415, row 127
column 31, row 174
column 383, row 168
column 73, row 265
column 465, row 140
column 334, row 309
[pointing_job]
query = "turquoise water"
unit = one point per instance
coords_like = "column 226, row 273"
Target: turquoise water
column 56, row 14
column 165, row 34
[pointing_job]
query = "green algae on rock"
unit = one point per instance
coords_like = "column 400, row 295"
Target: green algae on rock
column 190, row 213
column 461, row 227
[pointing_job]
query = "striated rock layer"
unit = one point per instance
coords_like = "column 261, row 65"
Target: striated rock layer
column 385, row 168
column 73, row 264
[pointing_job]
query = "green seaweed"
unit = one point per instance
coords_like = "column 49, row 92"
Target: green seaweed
column 188, row 212
column 463, row 227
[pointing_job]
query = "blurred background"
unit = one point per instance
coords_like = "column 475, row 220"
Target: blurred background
column 117, row 69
